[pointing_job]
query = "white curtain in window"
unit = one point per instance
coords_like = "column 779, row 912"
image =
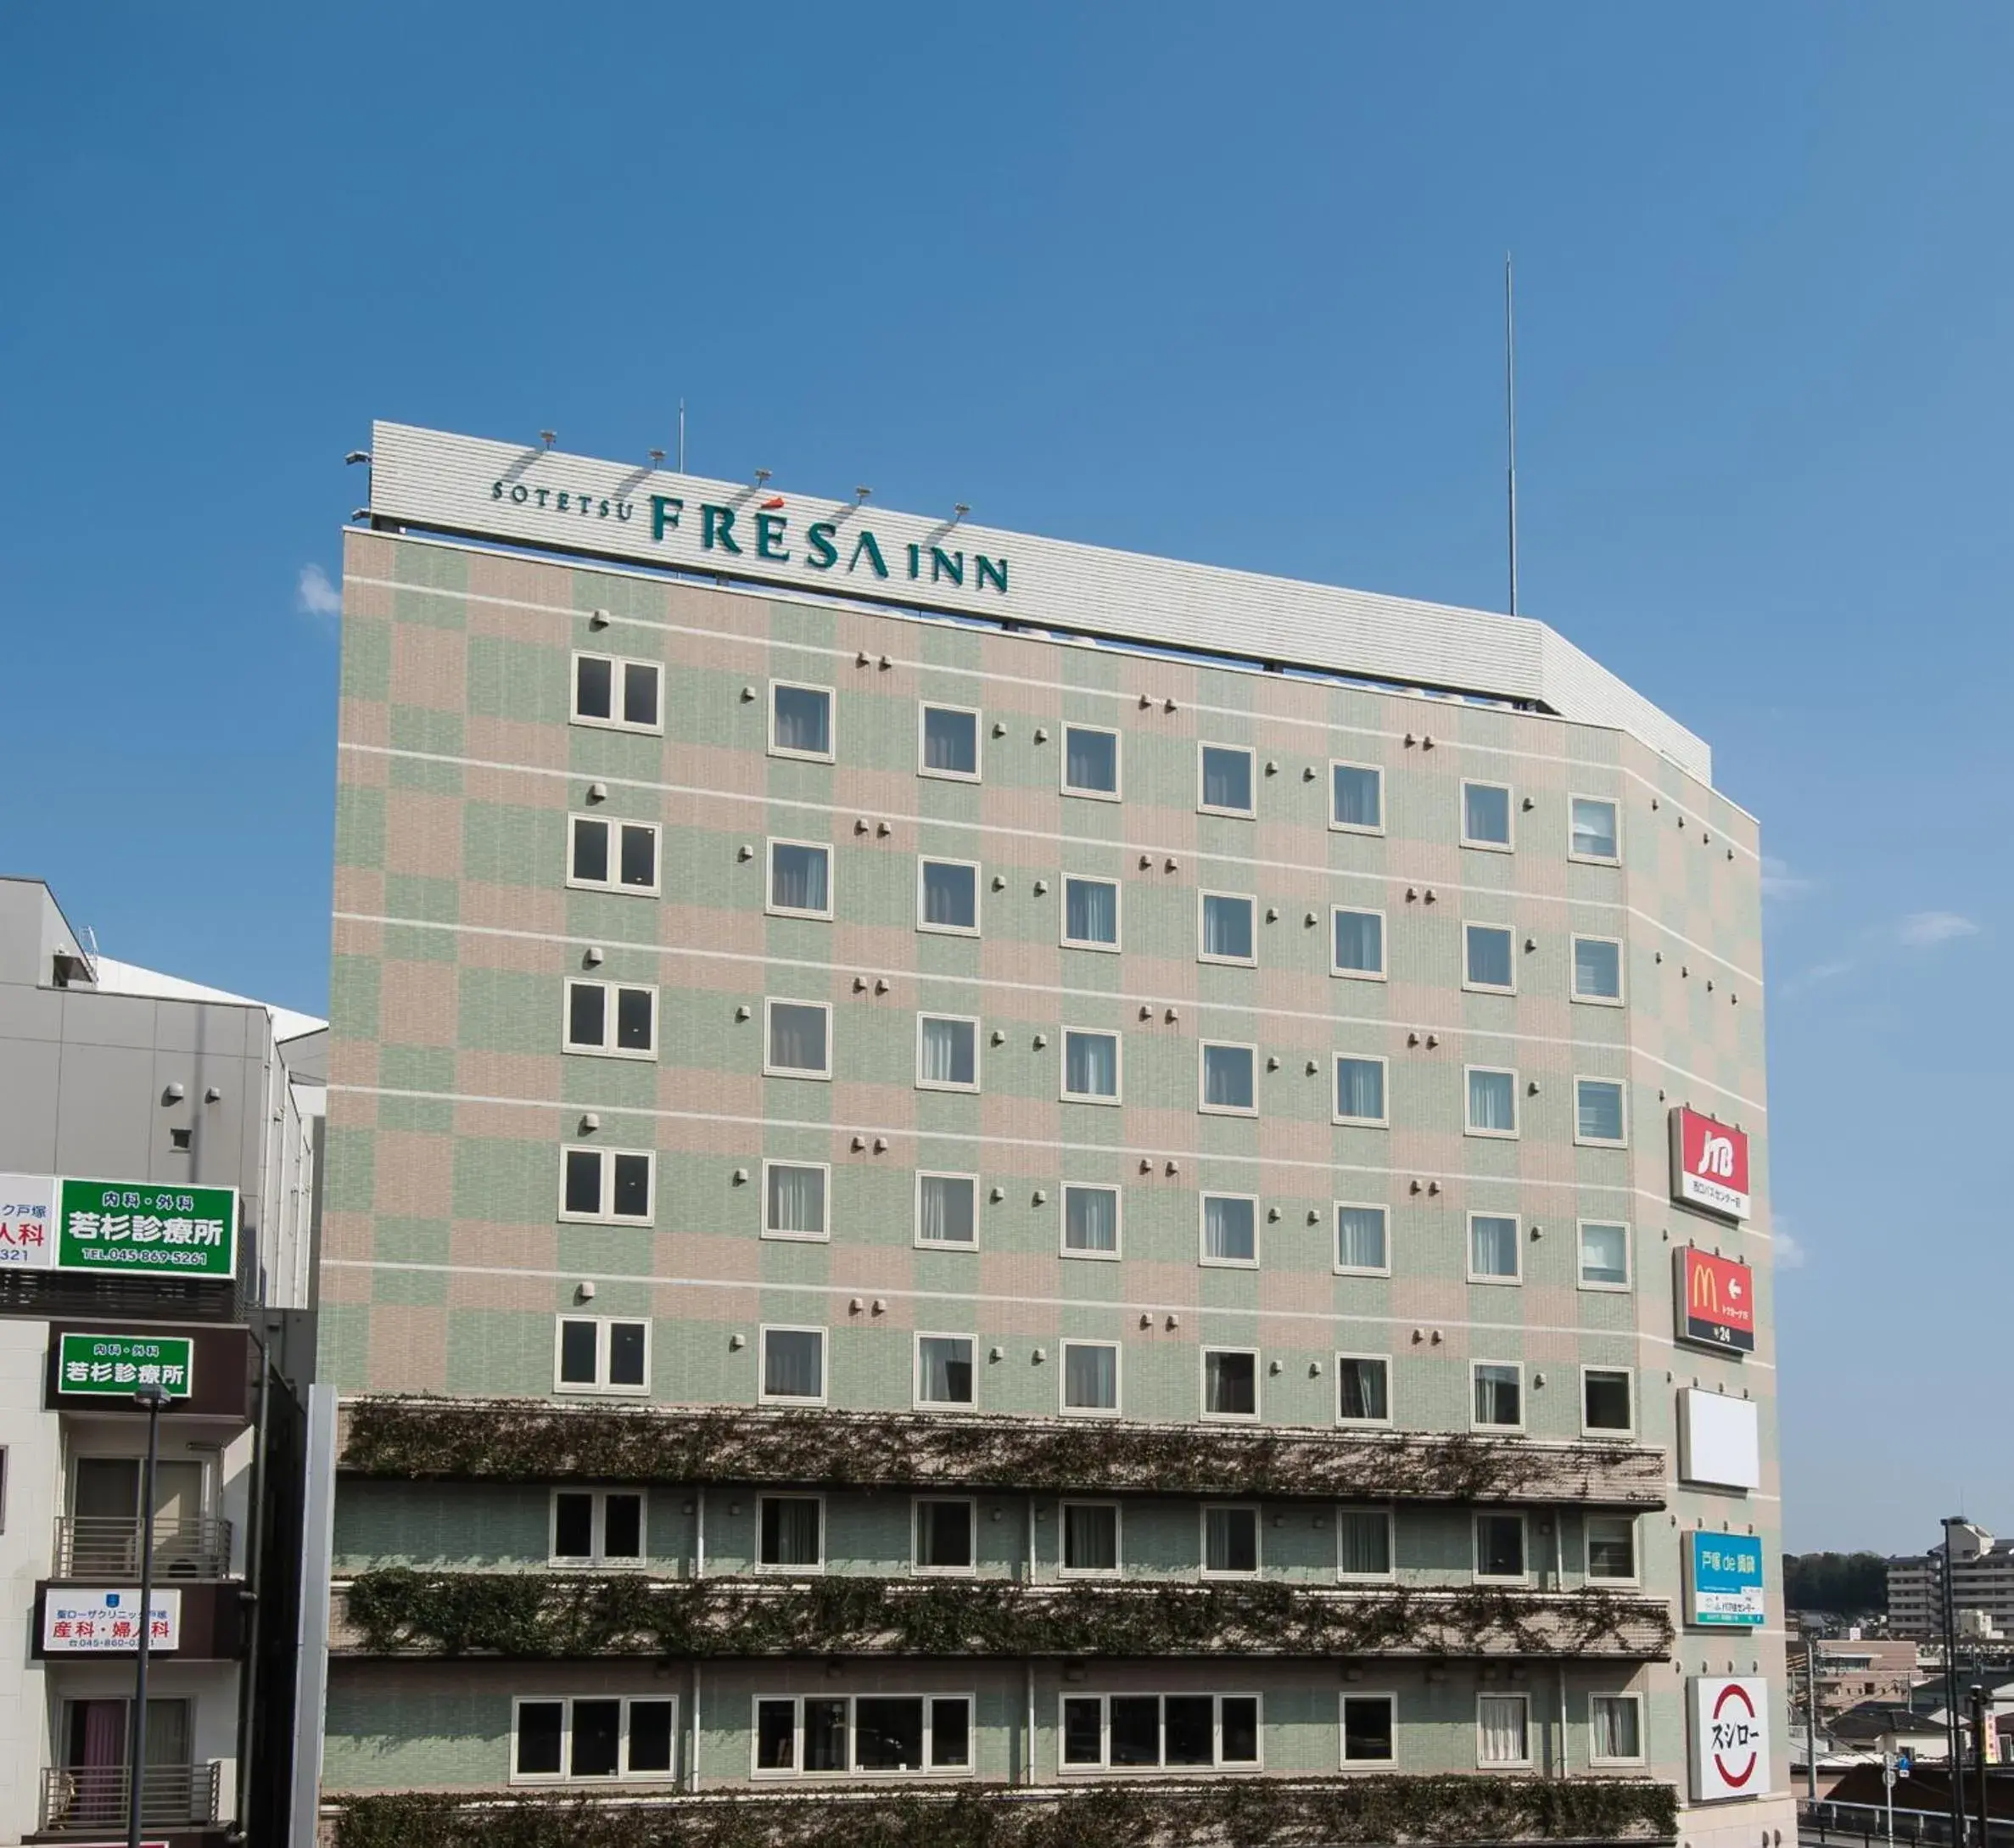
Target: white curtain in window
column 1363, row 1537
column 1226, row 779
column 1358, row 796
column 1485, row 813
column 1360, row 1238
column 944, row 1209
column 1360, row 1089
column 1230, row 1229
column 950, row 895
column 1091, row 1219
column 1599, row 1104
column 798, row 880
column 1227, row 927
column 1359, row 942
column 1492, row 1100
column 1605, row 1254
column 1092, row 760
column 1597, row 969
column 1230, row 1540
column 1092, row 1064
column 950, row 740
column 1493, row 1245
column 949, row 1053
column 1090, row 1538
column 793, row 1363
column 793, row 1535
column 1497, row 1393
column 1615, row 1726
column 1594, row 828
column 798, row 1037
column 1500, row 1727
column 1230, row 1384
column 1228, row 1077
column 804, row 719
column 796, row 1199
column 1362, row 1392
column 1091, row 1377
column 946, row 1363
column 1489, row 956
column 1092, row 911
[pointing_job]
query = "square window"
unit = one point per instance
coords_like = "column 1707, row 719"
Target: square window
column 619, row 695
column 800, row 720
column 1502, row 1730
column 1230, row 1229
column 612, row 1019
column 1607, row 1408
column 1229, row 1083
column 1226, row 771
column 1090, row 1376
column 597, row 1527
column 793, row 1366
column 1358, row 946
column 800, row 879
column 888, row 1732
column 944, row 1369
column 600, row 1354
column 1363, row 1389
column 1355, row 797
column 791, row 1532
column 1492, row 1102
column 1616, row 1725
column 1368, row 1729
column 1227, row 932
column 944, row 1536
column 1091, row 1067
column 1359, row 1090
column 611, row 1186
column 1362, row 1241
column 1604, row 1255
column 1487, row 959
column 949, row 745
column 1598, row 1111
column 612, row 856
column 1499, row 1388
column 1496, row 1253
column 1597, row 830
column 1231, row 1542
column 1230, row 1383
column 1597, row 969
column 1500, row 1548
column 1363, row 1543
column 946, row 1210
column 1091, row 1222
column 799, row 1039
column 1612, row 1547
column 1090, row 762
column 1091, row 1538
column 947, row 1053
column 1486, row 815
column 947, row 896
column 794, row 1200
column 1091, row 913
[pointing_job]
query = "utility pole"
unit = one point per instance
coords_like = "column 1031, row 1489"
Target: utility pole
column 1954, row 1735
column 1510, row 419
column 1979, row 1725
column 1812, row 1719
column 151, row 1397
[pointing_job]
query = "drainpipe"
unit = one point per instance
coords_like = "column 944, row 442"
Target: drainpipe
column 1560, row 1585
column 254, row 1543
column 1027, row 1751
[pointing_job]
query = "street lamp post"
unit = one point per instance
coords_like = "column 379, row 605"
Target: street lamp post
column 151, row 1397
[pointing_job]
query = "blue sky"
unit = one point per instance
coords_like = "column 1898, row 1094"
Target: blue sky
column 1223, row 284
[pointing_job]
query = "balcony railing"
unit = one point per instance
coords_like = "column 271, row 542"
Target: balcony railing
column 92, row 1799
column 108, row 1546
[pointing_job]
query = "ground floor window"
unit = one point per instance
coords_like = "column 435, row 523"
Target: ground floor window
column 585, row 1738
column 867, row 1734
column 1141, row 1732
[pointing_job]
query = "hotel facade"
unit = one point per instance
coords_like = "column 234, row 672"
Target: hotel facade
column 970, row 1166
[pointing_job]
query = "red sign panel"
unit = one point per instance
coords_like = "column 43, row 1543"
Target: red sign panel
column 1716, row 1301
column 1710, row 1163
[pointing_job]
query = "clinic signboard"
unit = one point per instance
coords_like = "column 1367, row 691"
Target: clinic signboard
column 139, row 1228
column 1723, row 1581
column 76, row 1621
column 116, row 1366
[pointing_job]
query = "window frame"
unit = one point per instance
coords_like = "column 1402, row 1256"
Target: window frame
column 1635, row 1576
column 1118, row 1039
column 611, row 1018
column 1622, row 1096
column 972, row 1021
column 1117, row 792
column 916, row 1399
column 917, row 1568
column 1629, row 1258
column 823, row 1237
column 977, row 772
column 1064, row 1409
column 598, row 1558
column 1251, row 761
column 1620, row 997
column 923, row 862
column 1516, row 1220
column 615, row 823
column 1613, row 803
column 1502, row 1764
column 1117, row 1568
column 1118, row 887
column 1610, row 1433
column 1363, row 1765
column 1204, row 1049
column 604, row 1216
column 1258, row 1514
column 770, row 908
column 1510, row 816
column 1219, row 1764
column 618, row 663
column 1355, row 827
column 1509, row 933
column 1391, row 1542
column 923, row 1244
column 1336, row 1117
column 1250, row 902
column 830, row 754
column 797, row 1772
column 1625, row 1696
column 756, row 1563
column 1383, row 972
column 1468, row 1126
column 763, row 1331
column 1337, row 1267
column 1257, row 1413
column 1336, row 1396
column 1066, row 1249
column 1203, row 1258
column 604, row 1344
column 1477, row 1575
column 1523, row 1399
column 622, row 1774
column 770, row 1002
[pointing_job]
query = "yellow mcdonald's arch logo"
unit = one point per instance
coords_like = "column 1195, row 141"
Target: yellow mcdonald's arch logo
column 1706, row 1288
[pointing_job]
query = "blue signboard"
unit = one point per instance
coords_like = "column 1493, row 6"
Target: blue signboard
column 1724, row 1580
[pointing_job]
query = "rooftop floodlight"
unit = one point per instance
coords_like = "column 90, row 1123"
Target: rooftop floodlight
column 959, row 510
column 354, row 456
column 861, row 494
column 656, row 457
column 549, row 437
column 761, row 476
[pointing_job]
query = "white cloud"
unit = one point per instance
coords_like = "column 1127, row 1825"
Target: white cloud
column 1823, row 971
column 1779, row 882
column 316, row 594
column 1790, row 1253
column 1925, row 930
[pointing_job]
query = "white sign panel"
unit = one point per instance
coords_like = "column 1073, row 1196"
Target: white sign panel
column 1729, row 1738
column 76, row 1622
column 28, row 1221
column 1720, row 1440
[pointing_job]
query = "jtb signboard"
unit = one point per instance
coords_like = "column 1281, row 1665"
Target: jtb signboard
column 1729, row 1738
column 118, row 1365
column 1716, row 1301
column 133, row 1227
column 1710, row 1163
column 1723, row 1581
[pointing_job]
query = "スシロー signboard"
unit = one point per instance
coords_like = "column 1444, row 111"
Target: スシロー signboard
column 96, row 1622
column 117, row 1365
column 1710, row 1163
column 1715, row 1297
column 1729, row 1738
column 27, row 1221
column 137, row 1228
column 1723, row 1581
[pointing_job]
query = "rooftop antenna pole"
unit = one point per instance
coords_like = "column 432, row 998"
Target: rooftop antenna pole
column 1510, row 409
column 681, row 436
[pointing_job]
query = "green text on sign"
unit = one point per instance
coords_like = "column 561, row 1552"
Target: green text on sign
column 119, row 1364
column 135, row 1227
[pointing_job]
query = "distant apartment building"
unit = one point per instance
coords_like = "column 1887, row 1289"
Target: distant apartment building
column 1982, row 1581
column 157, row 1145
column 1851, row 1669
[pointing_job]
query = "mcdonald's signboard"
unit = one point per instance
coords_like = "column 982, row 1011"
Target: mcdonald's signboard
column 1716, row 1301
column 1710, row 1163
